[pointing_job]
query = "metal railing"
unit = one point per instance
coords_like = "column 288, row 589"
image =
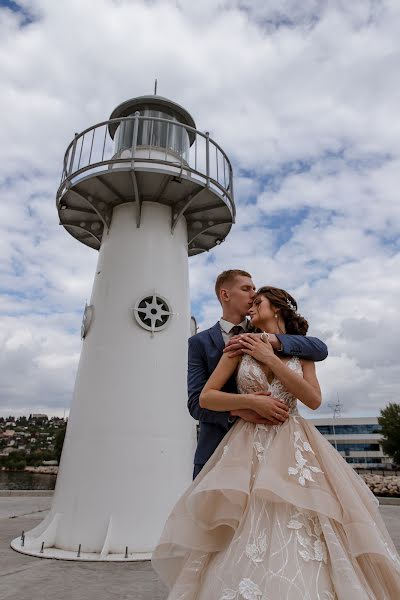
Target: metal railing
column 93, row 150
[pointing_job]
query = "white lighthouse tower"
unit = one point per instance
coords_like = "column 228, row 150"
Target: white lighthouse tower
column 146, row 189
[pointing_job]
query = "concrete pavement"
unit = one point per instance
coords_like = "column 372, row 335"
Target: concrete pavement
column 24, row 577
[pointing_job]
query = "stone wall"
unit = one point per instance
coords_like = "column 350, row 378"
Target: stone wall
column 43, row 469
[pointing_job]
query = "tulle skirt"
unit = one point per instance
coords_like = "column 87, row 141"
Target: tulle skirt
column 277, row 514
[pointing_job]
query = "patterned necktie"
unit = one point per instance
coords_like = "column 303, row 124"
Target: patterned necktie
column 236, row 330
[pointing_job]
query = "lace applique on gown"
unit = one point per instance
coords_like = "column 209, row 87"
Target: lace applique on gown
column 276, row 513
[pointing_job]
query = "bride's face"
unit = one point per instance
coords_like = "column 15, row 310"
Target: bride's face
column 261, row 312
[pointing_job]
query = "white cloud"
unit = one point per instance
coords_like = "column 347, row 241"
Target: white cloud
column 304, row 99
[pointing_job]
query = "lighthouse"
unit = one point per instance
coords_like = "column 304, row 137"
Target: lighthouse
column 146, row 189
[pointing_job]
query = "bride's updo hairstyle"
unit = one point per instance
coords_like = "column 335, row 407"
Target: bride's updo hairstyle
column 295, row 324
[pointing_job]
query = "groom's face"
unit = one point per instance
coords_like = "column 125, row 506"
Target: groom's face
column 241, row 293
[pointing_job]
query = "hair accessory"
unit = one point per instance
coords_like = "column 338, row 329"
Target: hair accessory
column 291, row 306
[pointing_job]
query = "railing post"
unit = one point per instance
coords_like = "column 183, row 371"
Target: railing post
column 151, row 136
column 231, row 193
column 72, row 155
column 135, row 133
column 91, row 146
column 104, row 142
column 167, row 142
column 208, row 158
column 80, row 152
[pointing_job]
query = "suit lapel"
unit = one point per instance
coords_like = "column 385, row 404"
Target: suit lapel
column 216, row 336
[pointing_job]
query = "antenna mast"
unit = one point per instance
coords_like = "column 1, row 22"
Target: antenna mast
column 336, row 408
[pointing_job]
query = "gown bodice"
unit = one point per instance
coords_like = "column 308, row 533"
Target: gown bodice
column 251, row 378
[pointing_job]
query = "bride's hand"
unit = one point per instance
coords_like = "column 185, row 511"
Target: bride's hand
column 262, row 351
column 269, row 407
column 234, row 347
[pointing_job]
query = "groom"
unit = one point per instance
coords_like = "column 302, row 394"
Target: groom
column 235, row 291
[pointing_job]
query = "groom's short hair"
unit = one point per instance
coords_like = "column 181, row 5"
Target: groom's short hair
column 228, row 277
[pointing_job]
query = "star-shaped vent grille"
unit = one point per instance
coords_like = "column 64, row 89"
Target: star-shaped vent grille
column 152, row 312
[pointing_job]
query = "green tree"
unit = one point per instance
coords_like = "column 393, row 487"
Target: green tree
column 58, row 443
column 389, row 421
column 15, row 461
column 36, row 458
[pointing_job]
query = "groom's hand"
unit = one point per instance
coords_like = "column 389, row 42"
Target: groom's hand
column 250, row 416
column 235, row 348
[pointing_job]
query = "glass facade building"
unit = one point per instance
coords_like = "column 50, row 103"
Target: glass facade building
column 349, row 429
column 357, row 439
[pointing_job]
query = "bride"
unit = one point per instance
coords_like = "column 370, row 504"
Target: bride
column 276, row 513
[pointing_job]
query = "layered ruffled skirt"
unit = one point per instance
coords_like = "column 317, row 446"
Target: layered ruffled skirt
column 277, row 514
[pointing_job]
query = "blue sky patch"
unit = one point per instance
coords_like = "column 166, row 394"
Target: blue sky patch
column 26, row 18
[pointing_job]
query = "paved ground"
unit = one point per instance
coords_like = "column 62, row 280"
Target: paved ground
column 24, row 577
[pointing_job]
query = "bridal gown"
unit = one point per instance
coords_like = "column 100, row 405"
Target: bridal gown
column 276, row 514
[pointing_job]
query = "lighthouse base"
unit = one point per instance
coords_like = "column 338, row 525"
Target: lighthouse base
column 41, row 542
column 59, row 554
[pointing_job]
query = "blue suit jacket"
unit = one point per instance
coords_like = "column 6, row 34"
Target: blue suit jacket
column 205, row 351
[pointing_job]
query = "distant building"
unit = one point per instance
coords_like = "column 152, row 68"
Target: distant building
column 39, row 416
column 9, row 433
column 357, row 439
column 6, row 451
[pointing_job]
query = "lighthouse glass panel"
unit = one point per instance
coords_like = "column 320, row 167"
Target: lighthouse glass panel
column 154, row 134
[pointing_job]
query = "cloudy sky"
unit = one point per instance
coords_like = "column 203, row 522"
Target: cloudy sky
column 303, row 96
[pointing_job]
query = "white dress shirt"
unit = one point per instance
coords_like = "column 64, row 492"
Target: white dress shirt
column 226, row 328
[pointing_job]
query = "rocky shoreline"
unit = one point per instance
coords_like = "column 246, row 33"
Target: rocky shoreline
column 380, row 485
column 383, row 485
column 43, row 470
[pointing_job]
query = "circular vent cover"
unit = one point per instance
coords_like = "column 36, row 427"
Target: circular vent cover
column 152, row 312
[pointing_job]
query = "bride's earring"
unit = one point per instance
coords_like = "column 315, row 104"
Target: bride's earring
column 276, row 315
